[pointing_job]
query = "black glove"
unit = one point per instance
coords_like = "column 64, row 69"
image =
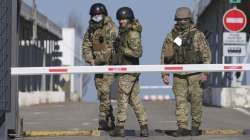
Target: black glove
column 101, row 39
column 116, row 44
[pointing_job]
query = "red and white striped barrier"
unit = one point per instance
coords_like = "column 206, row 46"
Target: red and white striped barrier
column 130, row 69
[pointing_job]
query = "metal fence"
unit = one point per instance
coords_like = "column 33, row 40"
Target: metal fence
column 4, row 56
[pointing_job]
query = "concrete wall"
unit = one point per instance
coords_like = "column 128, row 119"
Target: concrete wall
column 210, row 22
column 228, row 97
column 43, row 21
column 3, row 132
column 36, row 97
column 220, row 92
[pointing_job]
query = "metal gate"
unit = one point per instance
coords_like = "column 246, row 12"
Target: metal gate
column 9, row 10
column 4, row 57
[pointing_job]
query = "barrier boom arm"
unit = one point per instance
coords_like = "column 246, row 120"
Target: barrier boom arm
column 130, row 69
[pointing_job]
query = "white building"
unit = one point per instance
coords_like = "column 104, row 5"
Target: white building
column 71, row 56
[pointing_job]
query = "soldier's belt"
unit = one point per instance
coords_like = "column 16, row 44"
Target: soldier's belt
column 185, row 74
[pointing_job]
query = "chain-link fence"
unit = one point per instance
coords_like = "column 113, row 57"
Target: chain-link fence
column 4, row 56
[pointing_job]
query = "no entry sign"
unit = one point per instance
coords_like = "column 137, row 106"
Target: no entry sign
column 234, row 20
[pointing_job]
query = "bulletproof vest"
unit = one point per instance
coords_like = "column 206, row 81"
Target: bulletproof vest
column 101, row 46
column 122, row 59
column 99, row 40
column 186, row 53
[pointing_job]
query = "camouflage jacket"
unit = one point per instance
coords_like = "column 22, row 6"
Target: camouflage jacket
column 199, row 43
column 98, row 42
column 130, row 47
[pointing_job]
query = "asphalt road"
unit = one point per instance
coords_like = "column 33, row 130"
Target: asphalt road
column 84, row 116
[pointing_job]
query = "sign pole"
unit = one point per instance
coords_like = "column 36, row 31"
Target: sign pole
column 234, row 61
column 234, row 41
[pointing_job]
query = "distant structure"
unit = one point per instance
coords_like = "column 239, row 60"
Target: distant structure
column 72, row 56
column 43, row 51
column 209, row 15
column 228, row 89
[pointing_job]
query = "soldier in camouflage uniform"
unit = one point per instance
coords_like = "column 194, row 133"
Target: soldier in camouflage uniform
column 97, row 50
column 186, row 45
column 128, row 53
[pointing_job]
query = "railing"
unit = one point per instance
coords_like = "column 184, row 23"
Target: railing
column 4, row 57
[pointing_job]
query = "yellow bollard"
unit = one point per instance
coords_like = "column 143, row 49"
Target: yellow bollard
column 224, row 132
column 61, row 133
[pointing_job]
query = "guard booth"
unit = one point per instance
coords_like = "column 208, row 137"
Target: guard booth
column 224, row 85
column 9, row 10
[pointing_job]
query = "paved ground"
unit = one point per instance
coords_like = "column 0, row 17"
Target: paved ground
column 83, row 116
column 150, row 138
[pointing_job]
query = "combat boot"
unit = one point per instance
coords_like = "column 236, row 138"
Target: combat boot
column 144, row 131
column 195, row 131
column 110, row 119
column 118, row 132
column 181, row 132
column 103, row 125
column 111, row 122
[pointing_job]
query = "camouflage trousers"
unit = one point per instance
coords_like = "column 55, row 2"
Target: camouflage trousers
column 127, row 96
column 187, row 88
column 103, row 83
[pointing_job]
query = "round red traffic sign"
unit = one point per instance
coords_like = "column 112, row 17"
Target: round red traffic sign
column 234, row 20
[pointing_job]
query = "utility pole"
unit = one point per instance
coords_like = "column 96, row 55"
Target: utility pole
column 34, row 40
column 34, row 16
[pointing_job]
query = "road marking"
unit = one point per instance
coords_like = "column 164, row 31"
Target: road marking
column 244, row 111
column 95, row 119
column 39, row 113
column 57, row 106
column 32, row 123
column 168, row 121
column 85, row 123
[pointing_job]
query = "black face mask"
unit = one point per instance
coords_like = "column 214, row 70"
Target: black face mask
column 125, row 28
column 183, row 24
column 94, row 25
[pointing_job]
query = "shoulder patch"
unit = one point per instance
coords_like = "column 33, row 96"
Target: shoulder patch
column 134, row 34
column 169, row 37
column 134, row 39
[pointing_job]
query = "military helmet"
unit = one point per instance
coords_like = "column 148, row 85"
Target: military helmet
column 125, row 13
column 98, row 8
column 183, row 12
